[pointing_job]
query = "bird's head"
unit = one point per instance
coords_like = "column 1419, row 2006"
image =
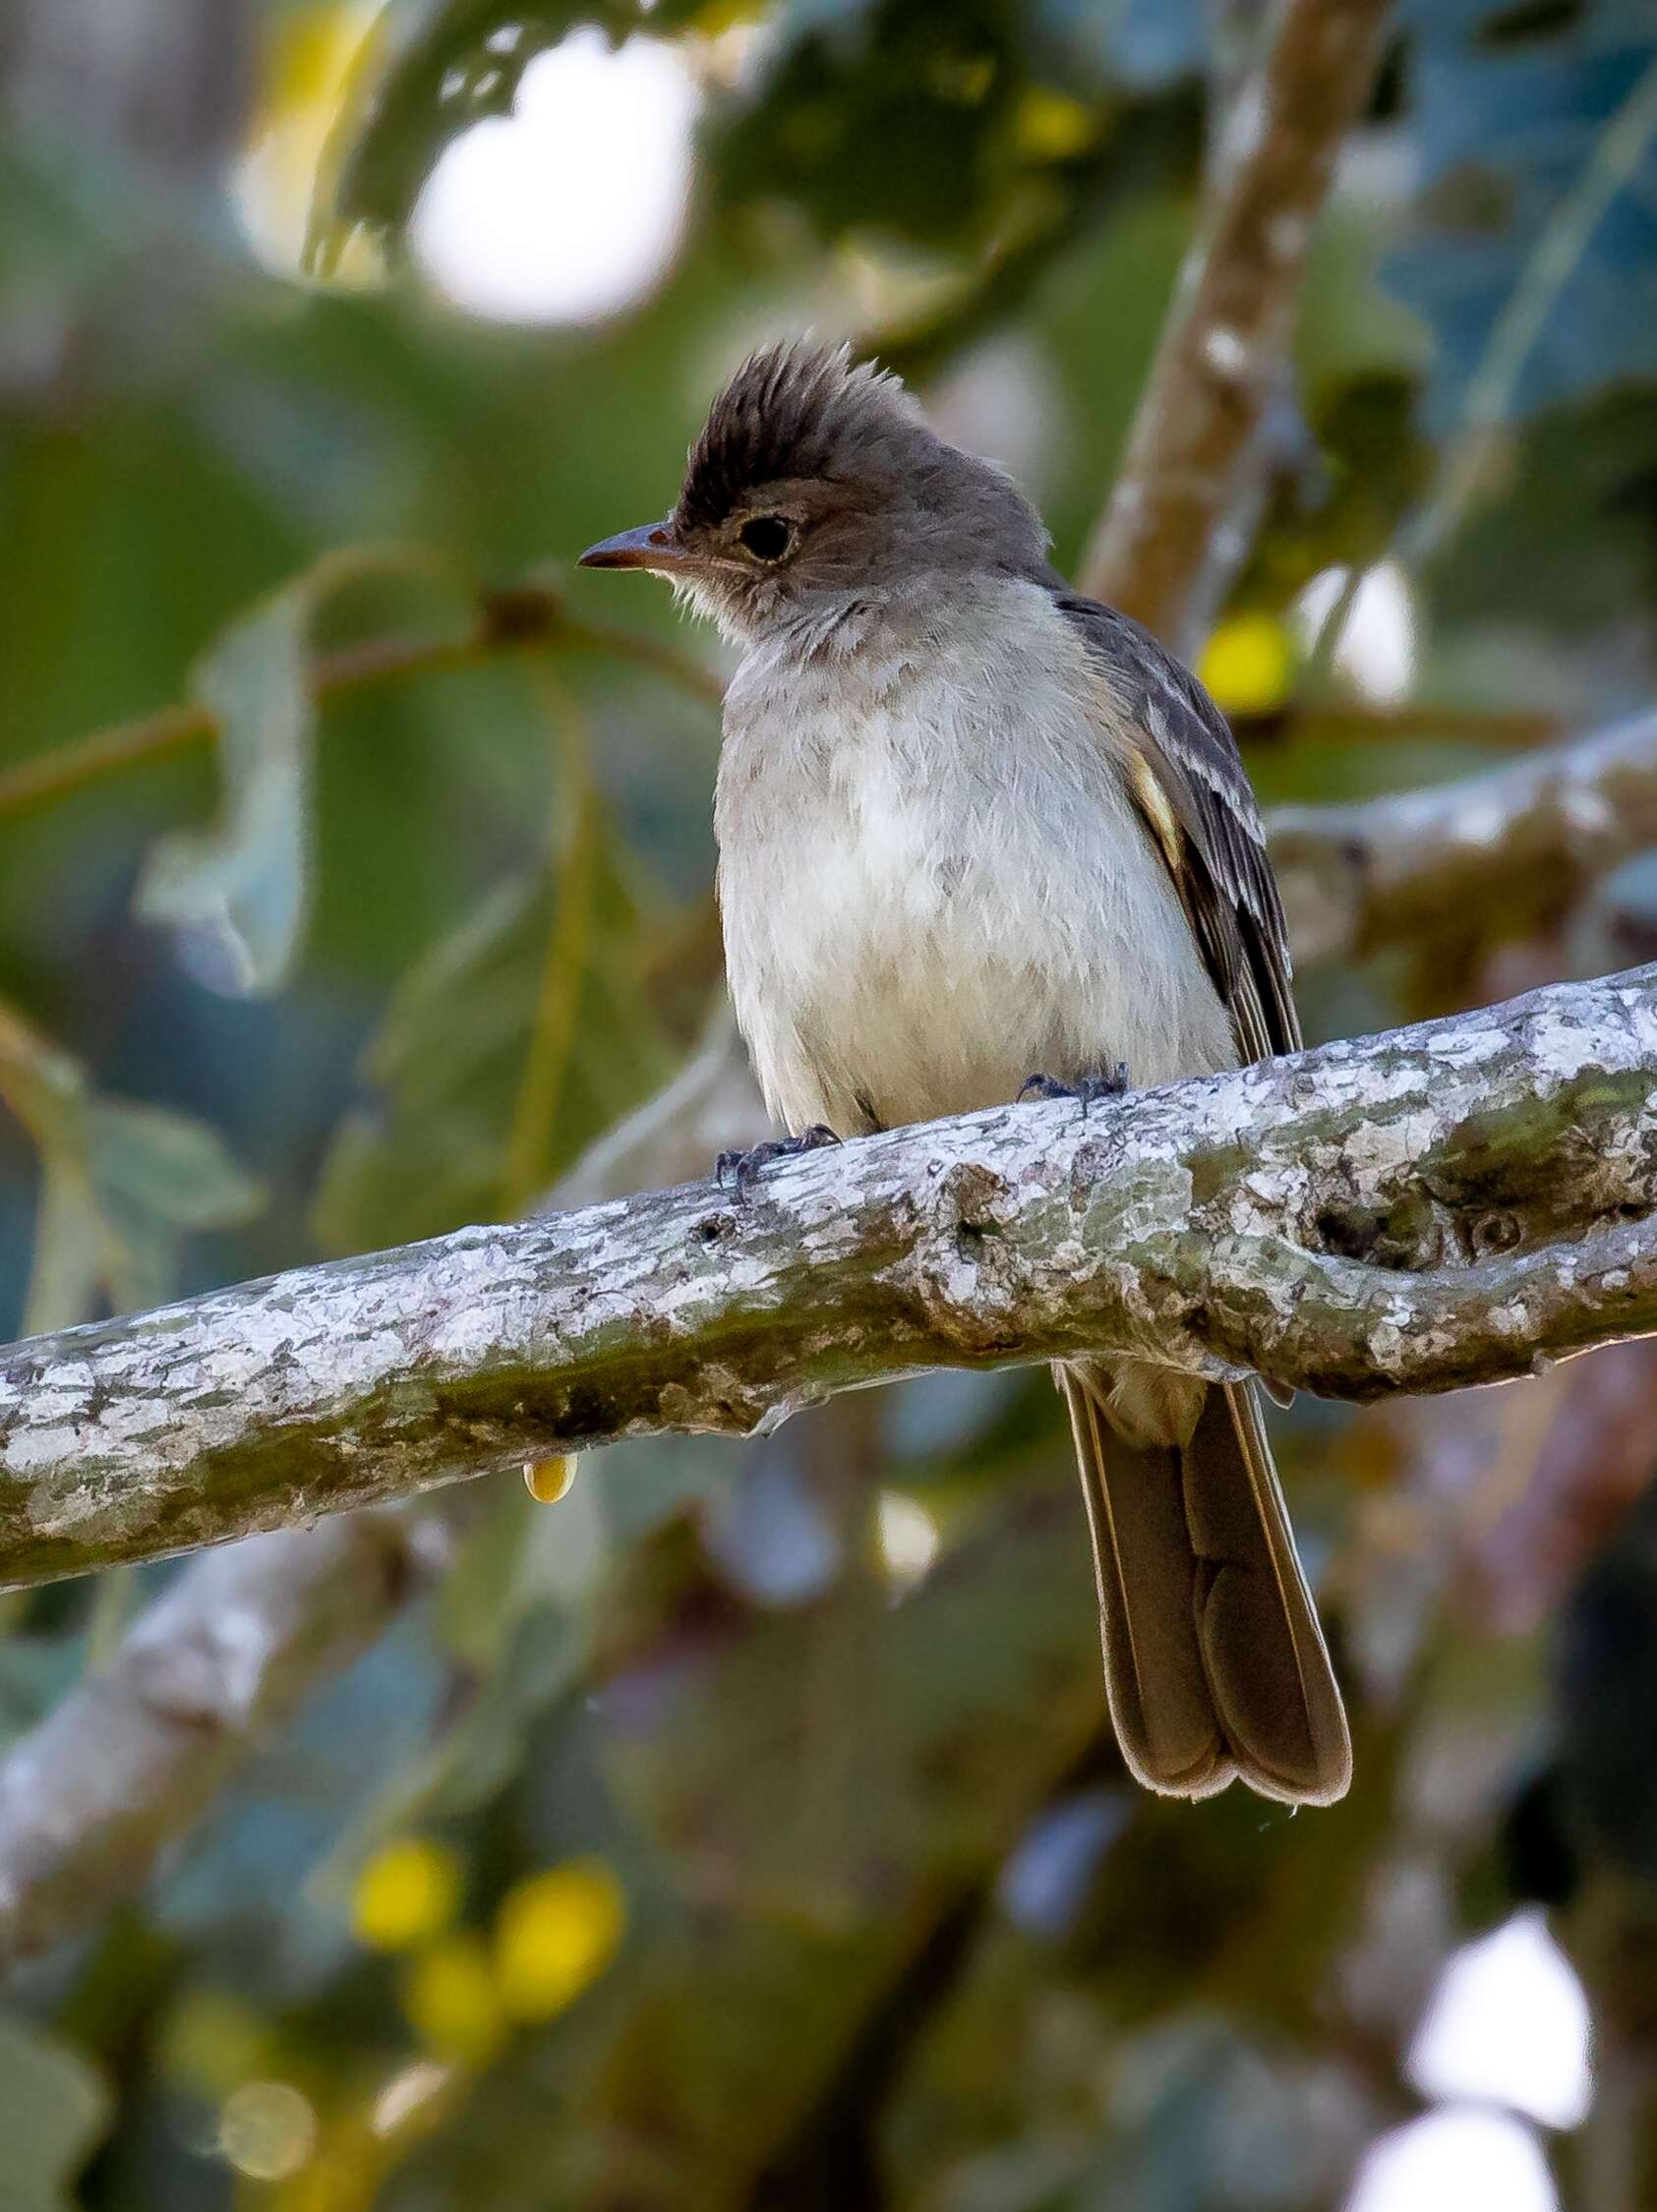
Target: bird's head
column 817, row 483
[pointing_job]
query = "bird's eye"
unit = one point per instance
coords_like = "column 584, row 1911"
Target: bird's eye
column 767, row 536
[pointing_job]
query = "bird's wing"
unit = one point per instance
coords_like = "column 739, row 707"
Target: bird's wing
column 1189, row 785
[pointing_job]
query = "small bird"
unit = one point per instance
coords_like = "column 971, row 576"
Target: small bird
column 978, row 832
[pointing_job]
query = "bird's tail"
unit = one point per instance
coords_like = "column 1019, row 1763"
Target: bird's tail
column 1215, row 1663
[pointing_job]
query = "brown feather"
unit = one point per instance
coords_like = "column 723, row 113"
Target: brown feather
column 1189, row 784
column 1215, row 1667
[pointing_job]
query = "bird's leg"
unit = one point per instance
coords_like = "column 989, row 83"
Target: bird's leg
column 740, row 1168
column 1085, row 1090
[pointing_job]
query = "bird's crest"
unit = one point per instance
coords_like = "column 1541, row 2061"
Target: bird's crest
column 790, row 410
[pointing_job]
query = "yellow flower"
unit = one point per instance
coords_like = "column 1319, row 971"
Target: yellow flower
column 449, row 1996
column 1052, row 126
column 406, row 1893
column 556, row 1932
column 1249, row 665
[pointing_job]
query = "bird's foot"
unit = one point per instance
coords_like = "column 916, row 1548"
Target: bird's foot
column 736, row 1170
column 1086, row 1092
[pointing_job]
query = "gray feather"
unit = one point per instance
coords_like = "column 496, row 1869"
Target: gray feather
column 972, row 827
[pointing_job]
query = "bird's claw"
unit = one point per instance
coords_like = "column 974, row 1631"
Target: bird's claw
column 736, row 1170
column 1086, row 1092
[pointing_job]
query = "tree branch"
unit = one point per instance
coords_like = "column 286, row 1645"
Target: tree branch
column 1517, row 840
column 1433, row 1207
column 526, row 618
column 1226, row 334
column 133, row 1756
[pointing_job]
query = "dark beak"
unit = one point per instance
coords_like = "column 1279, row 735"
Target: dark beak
column 652, row 546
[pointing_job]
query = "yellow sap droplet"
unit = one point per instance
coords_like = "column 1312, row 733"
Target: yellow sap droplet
column 548, row 1480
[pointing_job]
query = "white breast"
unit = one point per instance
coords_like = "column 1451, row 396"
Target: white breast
column 932, row 880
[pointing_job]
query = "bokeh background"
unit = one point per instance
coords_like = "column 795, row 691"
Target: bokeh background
column 741, row 1831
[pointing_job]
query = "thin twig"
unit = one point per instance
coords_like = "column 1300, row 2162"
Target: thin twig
column 1564, row 240
column 1465, row 466
column 527, row 618
column 558, row 998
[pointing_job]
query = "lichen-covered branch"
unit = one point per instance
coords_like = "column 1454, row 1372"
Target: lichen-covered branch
column 1491, row 852
column 1436, row 1207
column 1220, row 352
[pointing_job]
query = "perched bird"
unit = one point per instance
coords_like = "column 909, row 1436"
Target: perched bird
column 972, row 826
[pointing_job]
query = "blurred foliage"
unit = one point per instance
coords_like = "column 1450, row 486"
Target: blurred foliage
column 120, row 1184
column 924, row 118
column 431, row 70
column 540, row 1002
column 1537, row 129
column 52, row 2109
column 739, row 1829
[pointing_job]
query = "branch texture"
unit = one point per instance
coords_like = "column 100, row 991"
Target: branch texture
column 1220, row 352
column 1436, row 1207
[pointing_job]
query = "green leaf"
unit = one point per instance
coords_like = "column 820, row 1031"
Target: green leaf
column 521, row 1558
column 71, row 1262
column 156, row 1175
column 120, row 1184
column 238, row 894
column 450, row 1056
column 53, row 2108
column 524, row 1558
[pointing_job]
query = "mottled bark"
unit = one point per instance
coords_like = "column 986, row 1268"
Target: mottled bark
column 1224, row 341
column 1436, row 1207
column 1490, row 851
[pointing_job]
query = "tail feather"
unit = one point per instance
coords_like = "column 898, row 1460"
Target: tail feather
column 1215, row 1663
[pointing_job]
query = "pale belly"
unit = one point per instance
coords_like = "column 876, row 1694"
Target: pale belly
column 905, row 942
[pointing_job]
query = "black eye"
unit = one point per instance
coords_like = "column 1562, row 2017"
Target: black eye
column 767, row 536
